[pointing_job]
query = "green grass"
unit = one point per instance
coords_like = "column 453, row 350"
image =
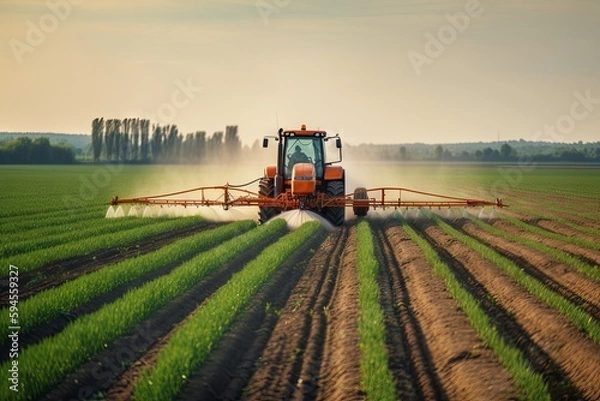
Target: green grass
column 531, row 383
column 189, row 347
column 57, row 356
column 377, row 380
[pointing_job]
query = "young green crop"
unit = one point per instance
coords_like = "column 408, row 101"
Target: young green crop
column 57, row 356
column 549, row 234
column 36, row 259
column 562, row 256
column 49, row 304
column 377, row 380
column 42, row 240
column 514, row 361
column 578, row 316
column 18, row 226
column 192, row 343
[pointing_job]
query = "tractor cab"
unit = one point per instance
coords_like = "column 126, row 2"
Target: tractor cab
column 303, row 146
column 303, row 150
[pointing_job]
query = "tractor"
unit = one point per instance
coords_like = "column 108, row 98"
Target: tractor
column 303, row 174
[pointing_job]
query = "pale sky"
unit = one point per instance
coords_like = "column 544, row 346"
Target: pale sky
column 377, row 71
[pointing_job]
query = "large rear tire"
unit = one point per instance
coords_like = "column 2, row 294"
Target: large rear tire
column 266, row 187
column 360, row 193
column 336, row 215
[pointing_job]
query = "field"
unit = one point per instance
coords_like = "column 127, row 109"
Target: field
column 411, row 305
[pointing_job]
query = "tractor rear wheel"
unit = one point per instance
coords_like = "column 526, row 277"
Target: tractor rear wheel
column 336, row 215
column 360, row 193
column 266, row 187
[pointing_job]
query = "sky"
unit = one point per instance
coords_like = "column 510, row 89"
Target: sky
column 377, row 71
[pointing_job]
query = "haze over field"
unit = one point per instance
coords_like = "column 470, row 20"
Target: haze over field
column 375, row 71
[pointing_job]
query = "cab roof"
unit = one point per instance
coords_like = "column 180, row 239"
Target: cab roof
column 304, row 132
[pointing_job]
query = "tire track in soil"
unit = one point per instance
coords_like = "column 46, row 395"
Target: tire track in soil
column 227, row 371
column 464, row 367
column 408, row 355
column 289, row 366
column 565, row 356
column 57, row 273
column 102, row 371
column 564, row 280
column 339, row 373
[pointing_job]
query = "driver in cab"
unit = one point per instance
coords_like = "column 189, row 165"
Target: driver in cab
column 298, row 157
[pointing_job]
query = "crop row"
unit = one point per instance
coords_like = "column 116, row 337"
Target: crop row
column 192, row 342
column 18, row 225
column 377, row 380
column 551, row 235
column 561, row 220
column 512, row 359
column 49, row 304
column 42, row 239
column 576, row 314
column 562, row 256
column 57, row 356
column 36, row 259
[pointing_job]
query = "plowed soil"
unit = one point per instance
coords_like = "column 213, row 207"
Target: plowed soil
column 298, row 339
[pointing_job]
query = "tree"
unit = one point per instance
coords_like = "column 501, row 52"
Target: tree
column 135, row 139
column 145, row 140
column 233, row 146
column 403, row 153
column 214, row 146
column 97, row 136
column 157, row 143
column 199, row 146
column 506, row 151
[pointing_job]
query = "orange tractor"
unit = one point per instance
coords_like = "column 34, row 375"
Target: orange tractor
column 304, row 179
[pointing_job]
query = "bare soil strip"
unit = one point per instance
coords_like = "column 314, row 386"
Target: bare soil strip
column 59, row 272
column 565, row 280
column 289, row 365
column 402, row 328
column 568, row 359
column 340, row 375
column 465, row 368
column 104, row 369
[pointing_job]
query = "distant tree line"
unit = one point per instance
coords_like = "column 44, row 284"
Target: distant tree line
column 134, row 140
column 543, row 152
column 24, row 150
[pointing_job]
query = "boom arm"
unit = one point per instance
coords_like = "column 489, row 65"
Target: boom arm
column 228, row 196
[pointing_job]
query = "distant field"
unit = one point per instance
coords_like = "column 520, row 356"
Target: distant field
column 409, row 305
